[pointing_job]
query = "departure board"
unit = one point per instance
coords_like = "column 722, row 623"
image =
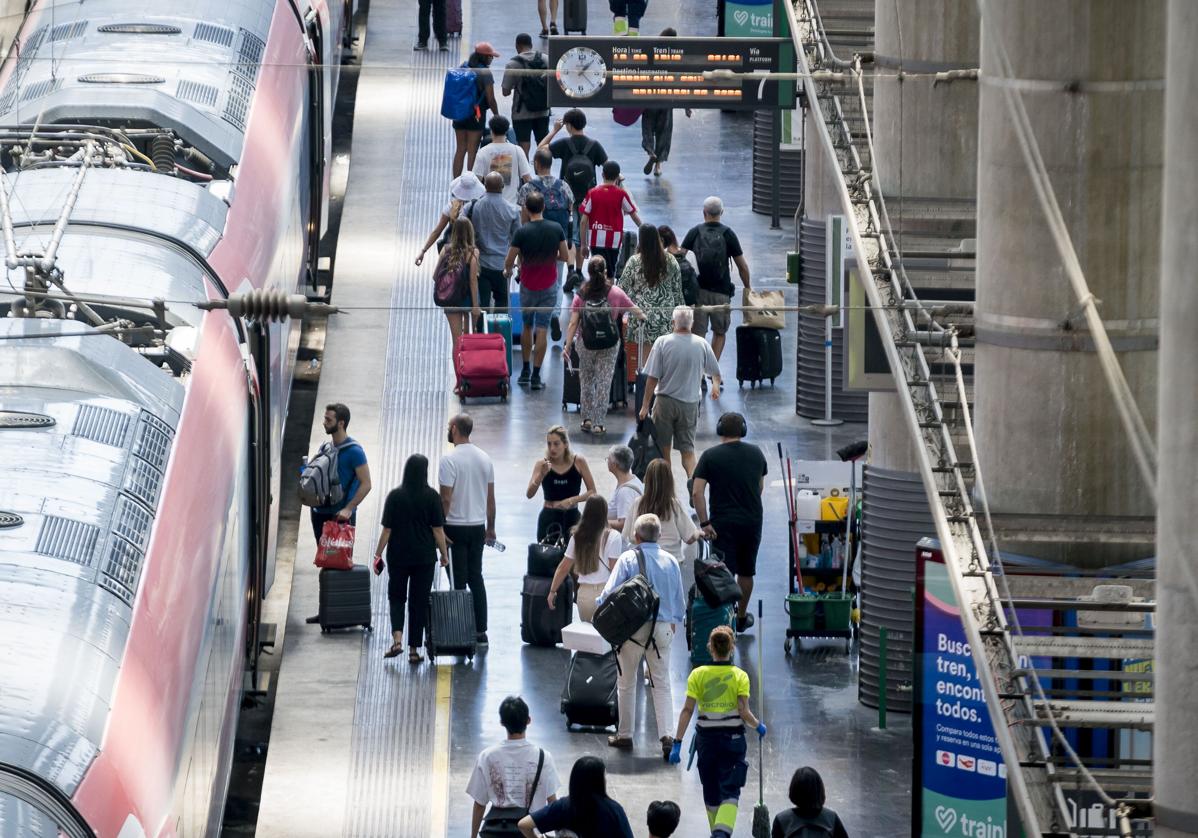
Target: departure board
column 664, row 72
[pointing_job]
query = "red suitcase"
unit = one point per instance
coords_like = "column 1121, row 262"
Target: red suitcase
column 482, row 366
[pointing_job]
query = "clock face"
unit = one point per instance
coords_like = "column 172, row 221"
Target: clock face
column 581, row 72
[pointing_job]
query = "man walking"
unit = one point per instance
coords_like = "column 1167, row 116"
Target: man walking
column 539, row 245
column 505, row 774
column 507, row 159
column 676, row 364
column 733, row 474
column 353, row 474
column 580, row 155
column 601, row 215
column 652, row 640
column 495, row 224
column 530, row 107
column 713, row 245
column 628, row 486
column 467, row 479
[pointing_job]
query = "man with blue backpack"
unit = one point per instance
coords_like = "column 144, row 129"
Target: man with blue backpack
column 469, row 93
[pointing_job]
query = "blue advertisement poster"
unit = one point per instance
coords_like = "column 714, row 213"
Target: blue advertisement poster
column 960, row 779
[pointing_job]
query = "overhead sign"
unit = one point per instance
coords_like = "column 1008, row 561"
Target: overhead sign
column 666, row 72
column 746, row 18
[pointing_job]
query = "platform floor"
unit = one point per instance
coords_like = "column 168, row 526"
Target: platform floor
column 360, row 746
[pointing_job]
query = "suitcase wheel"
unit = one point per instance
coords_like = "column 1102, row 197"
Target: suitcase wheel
column 740, row 382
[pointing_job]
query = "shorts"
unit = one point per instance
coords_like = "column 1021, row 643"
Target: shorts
column 474, row 123
column 675, row 422
column 739, row 542
column 720, row 320
column 526, row 129
column 547, row 299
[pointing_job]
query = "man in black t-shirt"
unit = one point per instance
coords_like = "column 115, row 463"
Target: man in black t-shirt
column 576, row 144
column 539, row 245
column 714, row 244
column 734, row 474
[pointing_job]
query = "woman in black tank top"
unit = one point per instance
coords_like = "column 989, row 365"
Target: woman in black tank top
column 561, row 477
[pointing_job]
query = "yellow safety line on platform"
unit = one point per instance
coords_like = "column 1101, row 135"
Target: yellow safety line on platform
column 440, row 792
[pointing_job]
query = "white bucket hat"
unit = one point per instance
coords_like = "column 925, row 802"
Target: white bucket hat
column 467, row 187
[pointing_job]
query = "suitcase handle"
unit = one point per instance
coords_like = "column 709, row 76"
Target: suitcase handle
column 448, row 573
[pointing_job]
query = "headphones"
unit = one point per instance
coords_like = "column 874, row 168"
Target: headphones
column 732, row 424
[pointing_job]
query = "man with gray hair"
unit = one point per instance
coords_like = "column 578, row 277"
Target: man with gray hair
column 713, row 245
column 673, row 372
column 652, row 640
column 628, row 486
column 495, row 224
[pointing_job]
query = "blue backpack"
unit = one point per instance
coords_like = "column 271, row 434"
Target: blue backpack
column 460, row 99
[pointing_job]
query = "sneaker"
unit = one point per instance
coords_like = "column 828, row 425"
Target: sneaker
column 619, row 26
column 573, row 280
column 525, row 376
column 481, row 639
column 536, row 383
column 421, row 46
column 633, row 31
column 745, row 623
column 553, row 29
column 443, row 47
column 313, row 619
column 555, row 329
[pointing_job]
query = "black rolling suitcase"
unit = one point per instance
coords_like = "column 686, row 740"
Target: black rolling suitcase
column 589, row 696
column 758, row 354
column 345, row 598
column 572, row 384
column 450, row 628
column 540, row 625
column 575, row 19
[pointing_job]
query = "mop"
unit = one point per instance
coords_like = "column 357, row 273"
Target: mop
column 761, row 813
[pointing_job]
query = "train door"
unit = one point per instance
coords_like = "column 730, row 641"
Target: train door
column 317, row 206
column 261, row 478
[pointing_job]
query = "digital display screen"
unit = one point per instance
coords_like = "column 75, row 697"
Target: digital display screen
column 669, row 72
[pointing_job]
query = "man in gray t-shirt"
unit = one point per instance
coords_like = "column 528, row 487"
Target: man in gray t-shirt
column 495, row 224
column 673, row 372
column 528, row 119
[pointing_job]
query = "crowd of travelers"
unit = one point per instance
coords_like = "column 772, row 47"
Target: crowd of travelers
column 509, row 216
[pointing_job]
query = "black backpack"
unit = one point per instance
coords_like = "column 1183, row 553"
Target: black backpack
column 690, row 282
column 628, row 608
column 579, row 170
column 599, row 327
column 711, row 252
column 533, row 91
column 715, row 581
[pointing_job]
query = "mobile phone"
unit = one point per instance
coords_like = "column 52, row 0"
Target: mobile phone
column 378, row 565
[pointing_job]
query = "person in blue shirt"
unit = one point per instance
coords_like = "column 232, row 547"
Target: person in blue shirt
column 652, row 641
column 587, row 811
column 352, row 472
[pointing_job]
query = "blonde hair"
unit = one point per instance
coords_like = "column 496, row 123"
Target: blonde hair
column 560, row 432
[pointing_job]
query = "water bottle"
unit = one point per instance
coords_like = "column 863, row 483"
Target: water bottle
column 497, row 546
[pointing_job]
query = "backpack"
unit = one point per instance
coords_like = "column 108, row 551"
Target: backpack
column 320, row 481
column 579, row 170
column 460, row 97
column 449, row 282
column 500, row 821
column 711, row 252
column 599, row 328
column 794, row 826
column 690, row 282
column 628, row 608
column 715, row 581
column 554, row 195
column 534, row 90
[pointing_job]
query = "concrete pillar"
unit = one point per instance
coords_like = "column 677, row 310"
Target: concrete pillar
column 1176, row 740
column 1050, row 441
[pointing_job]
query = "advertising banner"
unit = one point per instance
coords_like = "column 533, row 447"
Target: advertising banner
column 748, row 19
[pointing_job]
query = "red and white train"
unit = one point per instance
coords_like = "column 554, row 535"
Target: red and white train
column 156, row 156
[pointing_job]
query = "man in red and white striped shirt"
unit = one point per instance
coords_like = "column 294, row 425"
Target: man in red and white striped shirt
column 602, row 213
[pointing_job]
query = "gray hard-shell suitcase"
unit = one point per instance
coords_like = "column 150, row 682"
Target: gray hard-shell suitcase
column 575, row 19
column 450, row 628
column 540, row 625
column 589, row 695
column 345, row 598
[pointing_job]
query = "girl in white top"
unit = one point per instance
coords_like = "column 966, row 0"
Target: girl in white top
column 591, row 553
column 677, row 528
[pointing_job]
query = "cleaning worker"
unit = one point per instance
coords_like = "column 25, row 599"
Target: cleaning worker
column 721, row 693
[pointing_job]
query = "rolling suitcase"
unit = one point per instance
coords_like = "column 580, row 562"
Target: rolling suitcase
column 540, row 625
column 501, row 324
column 513, row 303
column 758, row 354
column 589, row 696
column 450, row 629
column 701, row 618
column 345, row 598
column 453, row 18
column 572, row 384
column 482, row 365
column 575, row 19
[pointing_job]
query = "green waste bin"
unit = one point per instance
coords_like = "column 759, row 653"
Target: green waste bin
column 837, row 608
column 802, row 612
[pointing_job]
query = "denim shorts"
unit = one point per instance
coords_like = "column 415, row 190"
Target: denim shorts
column 547, row 299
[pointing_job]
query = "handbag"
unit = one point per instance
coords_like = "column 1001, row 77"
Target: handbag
column 335, row 550
column 715, row 581
column 503, row 820
column 544, row 556
column 762, row 309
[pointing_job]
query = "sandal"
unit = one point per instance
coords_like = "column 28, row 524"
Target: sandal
column 415, row 657
column 553, row 29
column 620, row 742
column 394, row 651
column 586, row 428
column 598, row 430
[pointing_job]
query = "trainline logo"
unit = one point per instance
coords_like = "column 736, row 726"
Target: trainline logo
column 949, row 818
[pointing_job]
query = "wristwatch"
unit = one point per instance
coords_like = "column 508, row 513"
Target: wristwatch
column 703, row 524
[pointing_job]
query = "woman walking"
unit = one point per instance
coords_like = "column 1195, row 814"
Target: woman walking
column 677, row 528
column 592, row 552
column 596, row 311
column 468, row 132
column 657, row 128
column 652, row 280
column 586, row 811
column 463, row 191
column 720, row 691
column 455, row 282
column 413, row 535
column 560, row 475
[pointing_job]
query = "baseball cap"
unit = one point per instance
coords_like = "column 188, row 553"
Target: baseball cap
column 485, row 48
